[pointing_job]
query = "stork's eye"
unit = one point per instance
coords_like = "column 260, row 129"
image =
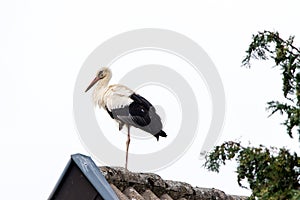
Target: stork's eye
column 101, row 74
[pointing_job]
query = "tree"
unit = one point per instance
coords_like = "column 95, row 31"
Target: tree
column 272, row 173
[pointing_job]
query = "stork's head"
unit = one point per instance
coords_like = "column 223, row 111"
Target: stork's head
column 103, row 75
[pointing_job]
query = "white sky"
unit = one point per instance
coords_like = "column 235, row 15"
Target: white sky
column 43, row 45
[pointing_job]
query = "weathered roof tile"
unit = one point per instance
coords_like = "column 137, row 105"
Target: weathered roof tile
column 165, row 197
column 149, row 195
column 120, row 195
column 175, row 187
column 131, row 193
column 152, row 186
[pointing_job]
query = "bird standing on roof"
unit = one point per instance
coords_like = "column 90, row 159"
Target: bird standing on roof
column 125, row 106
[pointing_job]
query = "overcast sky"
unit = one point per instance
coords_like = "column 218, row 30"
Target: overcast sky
column 44, row 44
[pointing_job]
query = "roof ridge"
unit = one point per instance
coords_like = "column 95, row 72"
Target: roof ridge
column 141, row 182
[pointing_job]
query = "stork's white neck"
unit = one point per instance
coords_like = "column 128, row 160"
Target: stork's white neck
column 99, row 91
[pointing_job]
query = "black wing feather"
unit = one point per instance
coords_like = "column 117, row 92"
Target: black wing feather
column 139, row 110
column 141, row 100
column 141, row 114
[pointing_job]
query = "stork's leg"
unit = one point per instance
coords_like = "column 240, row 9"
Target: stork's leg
column 127, row 145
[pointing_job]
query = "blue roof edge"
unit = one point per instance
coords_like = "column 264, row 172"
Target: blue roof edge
column 60, row 179
column 94, row 175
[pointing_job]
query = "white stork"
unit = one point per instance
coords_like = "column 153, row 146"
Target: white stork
column 125, row 106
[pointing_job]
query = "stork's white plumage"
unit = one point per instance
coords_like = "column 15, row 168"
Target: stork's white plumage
column 125, row 106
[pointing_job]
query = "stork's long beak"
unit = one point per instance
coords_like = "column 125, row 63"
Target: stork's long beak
column 92, row 83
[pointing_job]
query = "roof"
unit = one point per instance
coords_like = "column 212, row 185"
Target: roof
column 149, row 186
column 82, row 179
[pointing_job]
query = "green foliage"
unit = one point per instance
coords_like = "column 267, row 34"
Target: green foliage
column 269, row 45
column 272, row 174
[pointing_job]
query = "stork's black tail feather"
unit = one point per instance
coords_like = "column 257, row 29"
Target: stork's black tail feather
column 161, row 134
